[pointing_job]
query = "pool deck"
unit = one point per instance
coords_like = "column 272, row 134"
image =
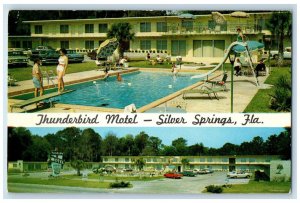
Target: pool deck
column 244, row 91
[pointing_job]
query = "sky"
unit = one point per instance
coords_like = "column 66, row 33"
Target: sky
column 210, row 137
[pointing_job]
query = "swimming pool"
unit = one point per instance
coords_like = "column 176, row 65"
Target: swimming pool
column 139, row 88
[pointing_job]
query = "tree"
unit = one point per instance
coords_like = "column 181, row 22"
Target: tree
column 110, row 144
column 140, row 142
column 19, row 140
column 140, row 163
column 196, row 149
column 280, row 25
column 38, row 150
column 78, row 165
column 281, row 99
column 91, row 144
column 228, row 149
column 122, row 32
column 185, row 162
column 180, row 145
column 153, row 146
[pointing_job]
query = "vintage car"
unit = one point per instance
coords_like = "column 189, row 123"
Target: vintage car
column 287, row 53
column 17, row 58
column 49, row 57
column 173, row 175
column 188, row 173
column 74, row 56
column 238, row 174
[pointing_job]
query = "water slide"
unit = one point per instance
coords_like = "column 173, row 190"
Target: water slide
column 236, row 47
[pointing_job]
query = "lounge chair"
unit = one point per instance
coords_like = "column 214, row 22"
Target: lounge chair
column 203, row 90
column 35, row 100
column 11, row 80
column 221, row 83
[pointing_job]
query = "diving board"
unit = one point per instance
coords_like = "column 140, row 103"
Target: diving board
column 28, row 102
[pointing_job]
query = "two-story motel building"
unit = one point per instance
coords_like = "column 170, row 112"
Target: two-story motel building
column 195, row 39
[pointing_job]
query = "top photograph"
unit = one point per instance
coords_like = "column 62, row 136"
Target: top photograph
column 149, row 61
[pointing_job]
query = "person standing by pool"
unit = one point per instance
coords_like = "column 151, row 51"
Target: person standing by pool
column 61, row 69
column 37, row 78
column 174, row 69
column 240, row 36
column 237, row 67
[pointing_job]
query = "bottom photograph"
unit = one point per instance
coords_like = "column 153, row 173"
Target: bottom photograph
column 149, row 160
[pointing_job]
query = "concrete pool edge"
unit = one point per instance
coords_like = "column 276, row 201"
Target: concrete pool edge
column 171, row 96
column 24, row 91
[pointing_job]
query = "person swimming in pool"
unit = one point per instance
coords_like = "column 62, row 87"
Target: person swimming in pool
column 119, row 78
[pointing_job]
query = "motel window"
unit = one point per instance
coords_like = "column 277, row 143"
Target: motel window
column 145, row 44
column 178, row 47
column 148, row 160
column 209, row 160
column 116, row 165
column 211, row 24
column 64, row 44
column 103, row 28
column 161, row 44
column 251, row 160
column 16, row 44
column 126, row 166
column 197, row 48
column 207, row 48
column 161, row 27
column 145, row 27
column 89, row 44
column 15, row 165
column 116, row 159
column 187, row 25
column 105, row 159
column 159, row 167
column 202, row 167
column 243, row 160
column 64, row 28
column 154, row 159
column 89, row 28
column 219, row 47
column 225, row 160
column 224, row 167
column 202, row 159
column 126, row 159
column 38, row 29
column 27, row 44
column 192, row 167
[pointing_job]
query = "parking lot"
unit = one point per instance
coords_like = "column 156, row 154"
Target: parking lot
column 186, row 185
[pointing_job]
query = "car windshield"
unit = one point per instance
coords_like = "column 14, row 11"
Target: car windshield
column 15, row 53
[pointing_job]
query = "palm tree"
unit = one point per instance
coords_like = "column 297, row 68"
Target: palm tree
column 140, row 163
column 281, row 26
column 185, row 162
column 78, row 165
column 122, row 32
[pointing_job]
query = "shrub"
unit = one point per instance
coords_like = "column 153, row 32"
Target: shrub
column 214, row 189
column 281, row 100
column 121, row 184
column 258, row 175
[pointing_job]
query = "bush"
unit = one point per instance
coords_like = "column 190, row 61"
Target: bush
column 281, row 100
column 121, row 184
column 258, row 175
column 214, row 189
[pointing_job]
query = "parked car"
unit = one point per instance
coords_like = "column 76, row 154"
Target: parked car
column 17, row 58
column 74, row 56
column 173, row 175
column 92, row 54
column 238, row 174
column 188, row 173
column 287, row 53
column 49, row 57
column 39, row 48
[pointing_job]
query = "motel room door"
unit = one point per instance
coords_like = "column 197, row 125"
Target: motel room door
column 197, row 48
column 231, row 164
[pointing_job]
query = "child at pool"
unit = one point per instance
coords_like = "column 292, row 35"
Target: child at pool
column 174, row 69
column 119, row 78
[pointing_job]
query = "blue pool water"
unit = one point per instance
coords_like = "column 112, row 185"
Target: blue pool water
column 140, row 88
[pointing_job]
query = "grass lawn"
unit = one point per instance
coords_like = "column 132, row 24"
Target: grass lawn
column 24, row 73
column 260, row 187
column 260, row 102
column 59, row 181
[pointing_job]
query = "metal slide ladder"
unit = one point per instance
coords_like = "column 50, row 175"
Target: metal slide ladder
column 50, row 76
